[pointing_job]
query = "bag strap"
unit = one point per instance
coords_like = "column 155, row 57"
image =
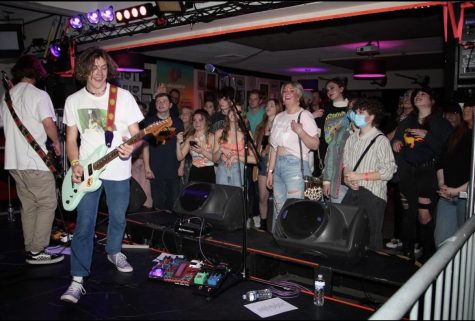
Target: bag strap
column 300, row 145
column 112, row 102
column 25, row 132
column 365, row 151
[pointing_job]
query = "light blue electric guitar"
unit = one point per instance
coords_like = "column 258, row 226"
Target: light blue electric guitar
column 72, row 193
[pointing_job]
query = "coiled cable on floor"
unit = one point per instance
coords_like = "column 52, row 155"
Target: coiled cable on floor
column 285, row 289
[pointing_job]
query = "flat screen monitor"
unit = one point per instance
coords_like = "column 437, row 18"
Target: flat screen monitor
column 11, row 44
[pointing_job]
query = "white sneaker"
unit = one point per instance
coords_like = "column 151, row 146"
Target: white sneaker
column 73, row 293
column 257, row 221
column 394, row 244
column 248, row 223
column 120, row 262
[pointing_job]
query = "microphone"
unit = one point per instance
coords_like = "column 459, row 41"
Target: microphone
column 211, row 68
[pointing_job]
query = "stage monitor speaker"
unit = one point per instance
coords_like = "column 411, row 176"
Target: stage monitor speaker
column 220, row 205
column 136, row 199
column 331, row 231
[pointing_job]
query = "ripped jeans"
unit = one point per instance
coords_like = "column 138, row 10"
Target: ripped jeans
column 288, row 181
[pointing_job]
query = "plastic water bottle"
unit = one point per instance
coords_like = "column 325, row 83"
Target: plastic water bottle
column 257, row 295
column 319, row 298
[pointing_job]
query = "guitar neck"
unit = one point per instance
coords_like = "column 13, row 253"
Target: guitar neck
column 100, row 163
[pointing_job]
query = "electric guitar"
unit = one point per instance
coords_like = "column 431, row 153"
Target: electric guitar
column 72, row 193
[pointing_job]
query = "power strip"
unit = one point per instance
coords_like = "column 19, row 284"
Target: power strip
column 135, row 246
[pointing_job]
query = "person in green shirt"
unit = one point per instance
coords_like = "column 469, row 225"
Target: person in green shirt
column 256, row 112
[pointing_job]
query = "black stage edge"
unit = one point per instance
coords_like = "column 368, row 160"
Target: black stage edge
column 369, row 282
column 31, row 292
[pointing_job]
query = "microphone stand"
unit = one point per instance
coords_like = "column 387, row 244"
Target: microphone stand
column 248, row 140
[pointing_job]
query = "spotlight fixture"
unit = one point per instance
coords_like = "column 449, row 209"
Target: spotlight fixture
column 107, row 14
column 161, row 21
column 55, row 50
column 75, row 22
column 94, row 17
column 136, row 12
column 369, row 69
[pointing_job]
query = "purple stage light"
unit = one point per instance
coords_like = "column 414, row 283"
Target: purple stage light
column 129, row 69
column 75, row 22
column 107, row 14
column 94, row 17
column 384, row 44
column 55, row 50
column 306, row 69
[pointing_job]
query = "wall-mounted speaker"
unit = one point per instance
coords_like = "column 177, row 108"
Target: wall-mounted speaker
column 221, row 206
column 326, row 230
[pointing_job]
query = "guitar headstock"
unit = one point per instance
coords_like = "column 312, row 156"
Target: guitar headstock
column 156, row 128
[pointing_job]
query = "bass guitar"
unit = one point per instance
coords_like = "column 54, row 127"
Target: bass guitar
column 72, row 193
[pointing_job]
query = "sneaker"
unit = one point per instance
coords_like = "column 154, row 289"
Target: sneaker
column 120, row 262
column 73, row 293
column 248, row 223
column 257, row 221
column 43, row 257
column 394, row 244
column 418, row 249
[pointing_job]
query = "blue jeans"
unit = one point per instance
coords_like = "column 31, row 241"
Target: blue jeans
column 288, row 181
column 449, row 218
column 230, row 176
column 117, row 195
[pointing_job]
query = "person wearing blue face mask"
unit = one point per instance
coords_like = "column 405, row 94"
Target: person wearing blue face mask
column 368, row 164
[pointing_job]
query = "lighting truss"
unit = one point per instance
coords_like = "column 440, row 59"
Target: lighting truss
column 225, row 10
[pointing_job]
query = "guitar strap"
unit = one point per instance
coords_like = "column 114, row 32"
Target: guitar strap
column 109, row 133
column 26, row 133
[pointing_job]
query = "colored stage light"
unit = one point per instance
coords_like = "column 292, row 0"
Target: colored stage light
column 119, row 16
column 127, row 14
column 136, row 12
column 369, row 69
column 75, row 22
column 94, row 17
column 107, row 14
column 55, row 50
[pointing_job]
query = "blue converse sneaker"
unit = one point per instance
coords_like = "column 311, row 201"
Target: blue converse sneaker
column 73, row 293
column 43, row 257
column 120, row 262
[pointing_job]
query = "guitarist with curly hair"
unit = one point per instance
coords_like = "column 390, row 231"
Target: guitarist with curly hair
column 103, row 116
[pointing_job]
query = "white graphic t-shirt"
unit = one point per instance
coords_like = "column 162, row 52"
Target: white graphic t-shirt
column 88, row 113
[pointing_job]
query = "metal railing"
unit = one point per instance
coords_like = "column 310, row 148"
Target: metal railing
column 443, row 288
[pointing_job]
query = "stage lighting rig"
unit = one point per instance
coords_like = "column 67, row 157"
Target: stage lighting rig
column 133, row 13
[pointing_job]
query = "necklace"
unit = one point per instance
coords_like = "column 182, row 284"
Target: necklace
column 97, row 94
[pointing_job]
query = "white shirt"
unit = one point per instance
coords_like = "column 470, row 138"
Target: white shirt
column 283, row 135
column 88, row 113
column 32, row 106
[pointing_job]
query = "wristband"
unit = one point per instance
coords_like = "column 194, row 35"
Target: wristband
column 74, row 162
column 366, row 176
column 270, row 171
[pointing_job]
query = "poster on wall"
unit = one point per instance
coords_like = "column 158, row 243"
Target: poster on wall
column 131, row 81
column 177, row 76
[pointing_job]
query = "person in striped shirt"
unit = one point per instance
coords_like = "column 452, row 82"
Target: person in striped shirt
column 367, row 181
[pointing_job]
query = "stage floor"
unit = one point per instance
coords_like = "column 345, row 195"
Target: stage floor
column 32, row 292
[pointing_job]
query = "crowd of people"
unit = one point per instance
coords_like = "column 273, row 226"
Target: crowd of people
column 417, row 168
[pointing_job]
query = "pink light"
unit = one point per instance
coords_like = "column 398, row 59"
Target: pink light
column 385, row 44
column 369, row 76
column 130, row 69
column 306, row 69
